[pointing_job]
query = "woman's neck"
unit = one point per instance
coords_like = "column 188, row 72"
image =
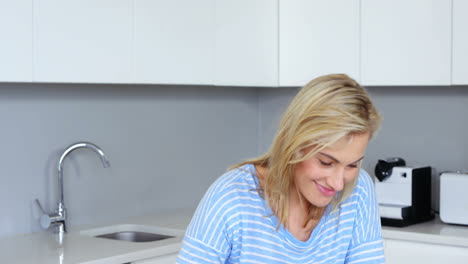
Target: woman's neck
column 301, row 221
column 303, row 217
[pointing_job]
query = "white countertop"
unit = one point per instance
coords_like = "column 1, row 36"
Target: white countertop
column 435, row 232
column 43, row 247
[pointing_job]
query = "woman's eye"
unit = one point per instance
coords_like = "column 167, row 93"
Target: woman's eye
column 325, row 163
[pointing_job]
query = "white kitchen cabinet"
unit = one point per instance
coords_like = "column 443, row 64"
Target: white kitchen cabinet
column 16, row 44
column 406, row 42
column 83, row 41
column 460, row 42
column 246, row 43
column 409, row 252
column 165, row 259
column 174, row 41
column 316, row 38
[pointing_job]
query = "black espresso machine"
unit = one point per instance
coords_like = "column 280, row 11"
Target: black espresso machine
column 403, row 193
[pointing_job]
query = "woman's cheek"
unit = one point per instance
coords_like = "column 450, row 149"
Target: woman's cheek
column 350, row 177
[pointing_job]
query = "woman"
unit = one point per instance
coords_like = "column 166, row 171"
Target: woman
column 304, row 201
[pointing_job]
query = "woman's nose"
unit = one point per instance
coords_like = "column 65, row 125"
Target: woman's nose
column 336, row 181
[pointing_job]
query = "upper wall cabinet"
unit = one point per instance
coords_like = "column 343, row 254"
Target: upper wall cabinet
column 316, row 38
column 234, row 42
column 83, row 41
column 246, row 43
column 460, row 42
column 16, row 44
column 174, row 41
column 406, row 42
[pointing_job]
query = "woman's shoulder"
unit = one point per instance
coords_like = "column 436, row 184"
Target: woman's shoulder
column 363, row 193
column 364, row 184
column 231, row 193
column 363, row 190
column 235, row 180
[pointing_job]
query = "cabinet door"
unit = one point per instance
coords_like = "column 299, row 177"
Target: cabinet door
column 406, row 42
column 16, row 43
column 405, row 252
column 460, row 42
column 246, row 43
column 316, row 38
column 166, row 259
column 83, row 41
column 174, row 41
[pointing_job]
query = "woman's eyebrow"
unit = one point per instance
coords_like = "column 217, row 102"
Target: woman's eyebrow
column 336, row 160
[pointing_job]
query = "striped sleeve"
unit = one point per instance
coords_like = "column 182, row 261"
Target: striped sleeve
column 366, row 245
column 207, row 239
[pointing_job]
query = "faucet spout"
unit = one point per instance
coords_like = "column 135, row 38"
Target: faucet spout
column 93, row 147
column 61, row 211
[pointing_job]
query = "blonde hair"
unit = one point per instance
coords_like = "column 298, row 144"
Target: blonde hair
column 324, row 111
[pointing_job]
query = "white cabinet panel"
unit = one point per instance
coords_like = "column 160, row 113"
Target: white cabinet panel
column 83, row 41
column 174, row 41
column 246, row 42
column 406, row 42
column 316, row 38
column 460, row 42
column 405, row 252
column 16, row 41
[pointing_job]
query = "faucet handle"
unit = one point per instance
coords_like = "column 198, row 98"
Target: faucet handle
column 45, row 219
column 57, row 219
column 40, row 206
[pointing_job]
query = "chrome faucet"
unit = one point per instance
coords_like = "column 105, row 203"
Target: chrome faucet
column 58, row 218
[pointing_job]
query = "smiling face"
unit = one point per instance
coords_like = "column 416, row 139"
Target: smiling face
column 320, row 177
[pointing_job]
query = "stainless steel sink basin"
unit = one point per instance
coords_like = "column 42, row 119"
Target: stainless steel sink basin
column 135, row 236
column 135, row 233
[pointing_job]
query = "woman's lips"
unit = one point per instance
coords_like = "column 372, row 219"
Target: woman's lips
column 324, row 190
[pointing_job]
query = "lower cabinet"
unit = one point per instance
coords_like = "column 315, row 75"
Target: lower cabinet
column 164, row 259
column 406, row 252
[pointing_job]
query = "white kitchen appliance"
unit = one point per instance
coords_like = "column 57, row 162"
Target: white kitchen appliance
column 453, row 206
column 403, row 193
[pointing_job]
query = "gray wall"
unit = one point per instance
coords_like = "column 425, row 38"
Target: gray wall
column 427, row 126
column 166, row 145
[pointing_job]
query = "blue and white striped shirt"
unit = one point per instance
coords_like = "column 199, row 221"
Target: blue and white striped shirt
column 233, row 224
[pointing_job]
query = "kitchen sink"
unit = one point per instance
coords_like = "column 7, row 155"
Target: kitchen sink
column 133, row 233
column 135, row 236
